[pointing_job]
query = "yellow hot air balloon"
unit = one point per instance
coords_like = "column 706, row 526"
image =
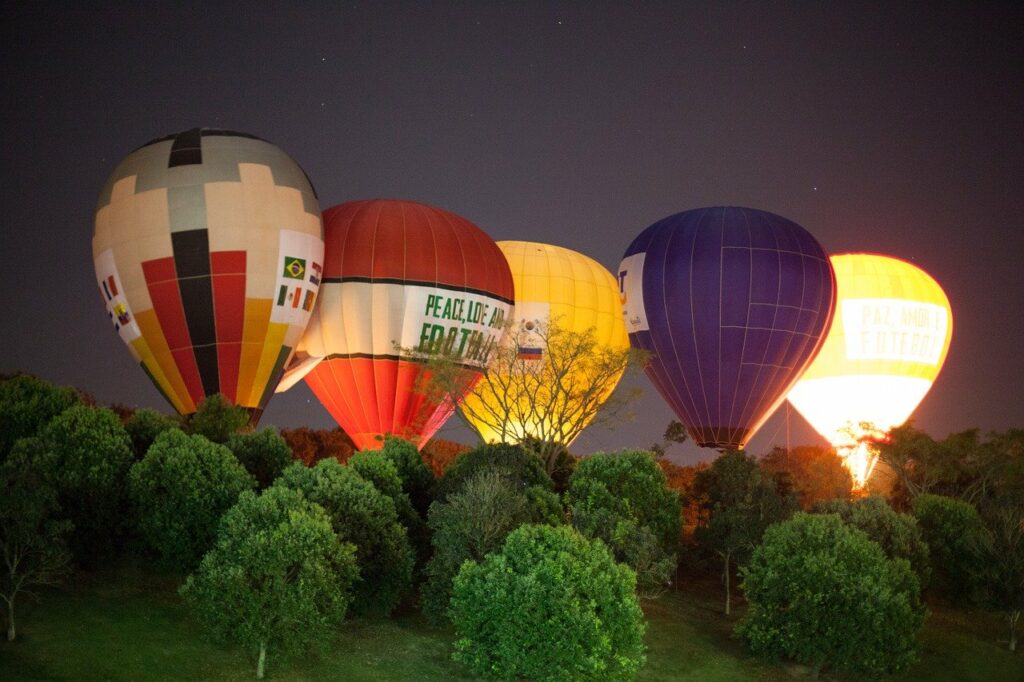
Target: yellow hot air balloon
column 555, row 289
column 888, row 340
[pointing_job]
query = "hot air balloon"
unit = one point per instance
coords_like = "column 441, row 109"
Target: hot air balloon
column 401, row 280
column 208, row 246
column 556, row 286
column 886, row 345
column 732, row 304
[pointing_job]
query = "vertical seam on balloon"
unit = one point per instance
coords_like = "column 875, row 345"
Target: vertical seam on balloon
column 746, row 323
column 693, row 327
column 344, row 365
column 361, row 402
column 721, row 295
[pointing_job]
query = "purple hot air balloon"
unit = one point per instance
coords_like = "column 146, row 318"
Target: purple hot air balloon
column 732, row 304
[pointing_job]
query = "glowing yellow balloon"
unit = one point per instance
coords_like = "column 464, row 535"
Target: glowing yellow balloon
column 552, row 284
column 888, row 340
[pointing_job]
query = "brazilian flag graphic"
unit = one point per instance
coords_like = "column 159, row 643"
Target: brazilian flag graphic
column 294, row 268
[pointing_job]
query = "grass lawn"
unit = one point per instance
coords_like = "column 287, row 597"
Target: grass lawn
column 129, row 624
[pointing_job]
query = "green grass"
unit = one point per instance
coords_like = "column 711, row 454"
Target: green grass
column 129, row 624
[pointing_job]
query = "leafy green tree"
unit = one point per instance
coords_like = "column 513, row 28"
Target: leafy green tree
column 955, row 535
column 180, row 490
column 675, row 432
column 418, row 481
column 522, row 468
column 277, row 579
column 32, row 536
column 551, row 605
column 379, row 469
column 27, row 404
column 264, row 454
column 144, row 425
column 1002, row 562
column 623, row 499
column 91, row 454
column 217, row 419
column 365, row 517
column 897, row 534
column 473, row 522
column 823, row 594
column 739, row 501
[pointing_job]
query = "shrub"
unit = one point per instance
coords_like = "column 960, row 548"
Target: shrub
column 180, row 490
column 216, row 419
column 520, row 467
column 144, row 425
column 550, row 605
column 27, row 404
column 418, row 481
column 823, row 594
column 277, row 578
column 623, row 499
column 473, row 522
column 955, row 535
column 379, row 469
column 364, row 516
column 91, row 454
column 264, row 454
column 815, row 473
column 897, row 534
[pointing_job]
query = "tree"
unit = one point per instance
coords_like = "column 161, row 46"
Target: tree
column 471, row 523
column 623, row 499
column 675, row 432
column 180, row 490
column 550, row 605
column 277, row 579
column 418, row 481
column 379, row 469
column 815, row 473
column 439, row 454
column 32, row 536
column 91, row 454
column 739, row 502
column 897, row 534
column 264, row 454
column 27, row 404
column 364, row 516
column 823, row 594
column 217, row 419
column 549, row 401
column 144, row 425
column 522, row 468
column 955, row 536
column 1002, row 562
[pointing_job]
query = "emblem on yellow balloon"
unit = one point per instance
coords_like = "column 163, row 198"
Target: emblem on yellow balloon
column 888, row 341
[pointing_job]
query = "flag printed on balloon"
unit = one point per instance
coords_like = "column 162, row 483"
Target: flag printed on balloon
column 399, row 276
column 575, row 292
column 888, row 341
column 206, row 247
column 732, row 304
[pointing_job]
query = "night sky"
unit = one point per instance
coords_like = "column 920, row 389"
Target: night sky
column 898, row 130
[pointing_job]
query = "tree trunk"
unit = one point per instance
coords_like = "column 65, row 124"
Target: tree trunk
column 10, row 620
column 1013, row 617
column 262, row 661
column 728, row 594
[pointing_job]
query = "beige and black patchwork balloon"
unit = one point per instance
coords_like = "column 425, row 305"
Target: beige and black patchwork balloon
column 208, row 248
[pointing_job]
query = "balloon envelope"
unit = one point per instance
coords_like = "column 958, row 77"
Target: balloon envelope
column 888, row 340
column 552, row 284
column 732, row 304
column 207, row 245
column 401, row 276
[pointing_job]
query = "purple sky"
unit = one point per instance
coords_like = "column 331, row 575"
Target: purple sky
column 879, row 128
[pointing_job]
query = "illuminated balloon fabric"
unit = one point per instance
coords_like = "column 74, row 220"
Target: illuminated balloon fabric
column 207, row 247
column 732, row 304
column 888, row 341
column 553, row 283
column 400, row 275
